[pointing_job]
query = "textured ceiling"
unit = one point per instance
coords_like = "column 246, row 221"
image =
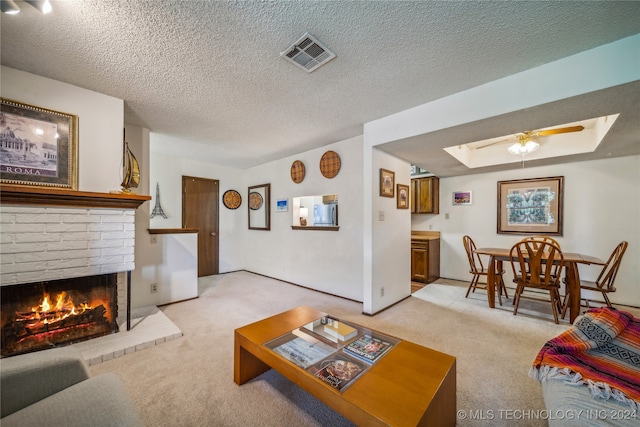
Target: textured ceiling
column 208, row 73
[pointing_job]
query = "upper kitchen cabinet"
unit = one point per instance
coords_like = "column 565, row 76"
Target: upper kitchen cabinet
column 425, row 195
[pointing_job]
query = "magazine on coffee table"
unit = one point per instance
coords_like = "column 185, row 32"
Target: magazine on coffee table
column 302, row 352
column 338, row 370
column 370, row 347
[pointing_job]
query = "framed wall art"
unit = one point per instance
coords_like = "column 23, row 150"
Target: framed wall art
column 39, row 146
column 461, row 198
column 387, row 183
column 402, row 200
column 231, row 199
column 531, row 206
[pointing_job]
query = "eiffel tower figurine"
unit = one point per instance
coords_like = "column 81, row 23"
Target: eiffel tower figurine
column 157, row 209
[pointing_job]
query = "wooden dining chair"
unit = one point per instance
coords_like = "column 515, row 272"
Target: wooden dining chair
column 537, row 264
column 606, row 279
column 477, row 269
column 540, row 238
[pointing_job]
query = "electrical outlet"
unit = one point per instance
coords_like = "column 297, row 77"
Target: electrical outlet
column 382, row 291
column 154, row 288
column 154, row 238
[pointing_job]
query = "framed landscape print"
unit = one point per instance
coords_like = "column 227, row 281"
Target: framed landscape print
column 402, row 201
column 38, row 146
column 387, row 183
column 461, row 198
column 531, row 206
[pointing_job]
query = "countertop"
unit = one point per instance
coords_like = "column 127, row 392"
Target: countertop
column 425, row 235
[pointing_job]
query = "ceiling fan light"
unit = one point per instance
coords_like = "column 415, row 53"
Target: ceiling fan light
column 515, row 148
column 522, row 148
column 531, row 146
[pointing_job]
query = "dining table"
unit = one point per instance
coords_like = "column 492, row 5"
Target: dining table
column 571, row 261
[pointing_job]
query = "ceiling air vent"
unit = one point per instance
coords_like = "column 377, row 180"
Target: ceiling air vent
column 308, row 53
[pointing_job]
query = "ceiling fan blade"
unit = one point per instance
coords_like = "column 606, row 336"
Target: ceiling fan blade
column 495, row 143
column 557, row 131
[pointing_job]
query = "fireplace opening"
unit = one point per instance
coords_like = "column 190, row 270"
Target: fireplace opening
column 41, row 315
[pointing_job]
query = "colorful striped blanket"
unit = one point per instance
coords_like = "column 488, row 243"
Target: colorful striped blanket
column 601, row 350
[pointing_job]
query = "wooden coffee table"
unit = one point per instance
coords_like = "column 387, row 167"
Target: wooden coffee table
column 410, row 385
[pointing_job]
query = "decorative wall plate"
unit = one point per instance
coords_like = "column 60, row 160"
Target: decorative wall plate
column 232, row 199
column 255, row 201
column 330, row 164
column 297, row 171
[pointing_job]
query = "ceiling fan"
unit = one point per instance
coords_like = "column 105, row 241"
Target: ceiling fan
column 526, row 139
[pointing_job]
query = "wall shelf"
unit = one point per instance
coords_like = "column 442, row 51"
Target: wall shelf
column 297, row 227
column 23, row 195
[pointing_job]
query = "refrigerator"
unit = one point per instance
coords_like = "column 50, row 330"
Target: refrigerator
column 325, row 215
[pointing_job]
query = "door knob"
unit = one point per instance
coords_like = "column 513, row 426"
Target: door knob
column 213, row 233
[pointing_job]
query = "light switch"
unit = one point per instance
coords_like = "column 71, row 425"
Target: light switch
column 380, row 215
column 446, row 216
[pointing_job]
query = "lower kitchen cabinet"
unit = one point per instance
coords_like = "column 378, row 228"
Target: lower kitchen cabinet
column 425, row 260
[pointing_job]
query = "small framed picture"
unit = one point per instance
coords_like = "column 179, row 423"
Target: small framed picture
column 282, row 205
column 402, row 201
column 387, row 183
column 461, row 198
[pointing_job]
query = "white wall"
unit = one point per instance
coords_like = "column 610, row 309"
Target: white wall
column 172, row 262
column 168, row 171
column 391, row 237
column 100, row 123
column 601, row 208
column 328, row 261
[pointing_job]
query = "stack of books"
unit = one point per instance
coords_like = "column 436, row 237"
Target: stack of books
column 339, row 330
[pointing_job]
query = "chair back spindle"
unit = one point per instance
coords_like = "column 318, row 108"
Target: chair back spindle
column 475, row 262
column 607, row 276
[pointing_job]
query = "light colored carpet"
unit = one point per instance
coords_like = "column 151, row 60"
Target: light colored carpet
column 189, row 381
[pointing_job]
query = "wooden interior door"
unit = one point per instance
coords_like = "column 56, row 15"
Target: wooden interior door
column 200, row 210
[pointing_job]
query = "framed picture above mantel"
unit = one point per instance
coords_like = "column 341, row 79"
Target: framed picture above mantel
column 531, row 206
column 39, row 146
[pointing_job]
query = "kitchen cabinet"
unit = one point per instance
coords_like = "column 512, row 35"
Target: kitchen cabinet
column 425, row 260
column 425, row 195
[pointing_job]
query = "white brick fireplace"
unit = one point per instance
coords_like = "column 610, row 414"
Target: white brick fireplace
column 53, row 234
column 50, row 243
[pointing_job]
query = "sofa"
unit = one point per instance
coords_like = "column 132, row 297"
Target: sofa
column 590, row 374
column 53, row 388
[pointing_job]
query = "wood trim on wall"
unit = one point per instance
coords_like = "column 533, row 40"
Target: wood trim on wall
column 24, row 195
column 172, row 230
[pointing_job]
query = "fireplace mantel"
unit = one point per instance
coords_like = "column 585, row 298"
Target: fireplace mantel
column 23, row 195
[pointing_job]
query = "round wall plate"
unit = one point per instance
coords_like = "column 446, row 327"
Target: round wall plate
column 330, row 164
column 297, row 171
column 255, row 201
column 232, row 199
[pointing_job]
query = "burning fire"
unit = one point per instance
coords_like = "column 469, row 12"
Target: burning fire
column 63, row 308
column 49, row 313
